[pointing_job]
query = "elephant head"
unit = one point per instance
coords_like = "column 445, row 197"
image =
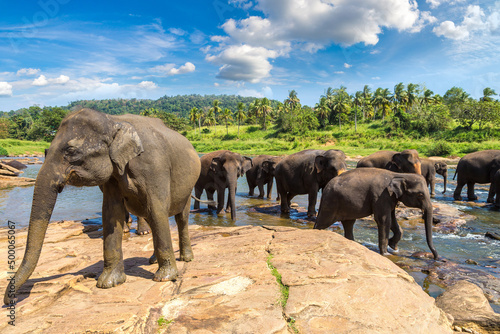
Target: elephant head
column 412, row 190
column 442, row 169
column 329, row 165
column 268, row 167
column 406, row 161
column 225, row 170
column 87, row 149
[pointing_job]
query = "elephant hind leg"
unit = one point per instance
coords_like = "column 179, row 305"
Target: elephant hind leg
column 142, row 226
column 162, row 241
column 182, row 220
column 470, row 191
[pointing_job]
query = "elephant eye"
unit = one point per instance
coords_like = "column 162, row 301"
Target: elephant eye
column 73, row 154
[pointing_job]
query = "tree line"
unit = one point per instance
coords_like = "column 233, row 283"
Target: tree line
column 407, row 108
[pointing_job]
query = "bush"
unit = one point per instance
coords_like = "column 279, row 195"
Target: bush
column 3, row 151
column 440, row 148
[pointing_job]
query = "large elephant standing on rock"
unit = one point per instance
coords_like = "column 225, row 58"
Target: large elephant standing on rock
column 364, row 191
column 261, row 173
column 429, row 170
column 306, row 172
column 220, row 170
column 142, row 167
column 478, row 167
column 406, row 161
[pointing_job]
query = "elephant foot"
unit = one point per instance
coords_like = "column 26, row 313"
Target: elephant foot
column 260, row 196
column 472, row 198
column 394, row 246
column 457, row 197
column 186, row 256
column 142, row 230
column 490, row 200
column 433, row 195
column 311, row 215
column 111, row 277
column 153, row 259
column 165, row 274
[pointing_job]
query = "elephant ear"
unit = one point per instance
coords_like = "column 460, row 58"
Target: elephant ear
column 320, row 162
column 125, row 146
column 397, row 187
column 246, row 164
column 266, row 166
column 216, row 165
column 397, row 161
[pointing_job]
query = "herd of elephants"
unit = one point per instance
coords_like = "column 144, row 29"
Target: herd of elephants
column 149, row 170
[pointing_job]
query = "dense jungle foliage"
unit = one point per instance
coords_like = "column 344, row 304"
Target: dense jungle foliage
column 453, row 123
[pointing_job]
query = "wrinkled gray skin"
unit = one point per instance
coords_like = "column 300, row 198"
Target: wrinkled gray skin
column 478, row 167
column 220, row 170
column 429, row 170
column 496, row 184
column 306, row 172
column 261, row 173
column 364, row 191
column 406, row 161
column 141, row 166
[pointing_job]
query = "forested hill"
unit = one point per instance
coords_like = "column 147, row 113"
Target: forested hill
column 179, row 105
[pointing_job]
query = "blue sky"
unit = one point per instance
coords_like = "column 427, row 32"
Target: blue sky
column 53, row 52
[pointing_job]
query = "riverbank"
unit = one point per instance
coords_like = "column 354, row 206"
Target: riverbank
column 326, row 284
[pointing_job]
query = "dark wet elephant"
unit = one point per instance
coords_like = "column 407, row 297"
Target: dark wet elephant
column 429, row 170
column 142, row 167
column 261, row 173
column 364, row 191
column 406, row 161
column 478, row 167
column 306, row 172
column 220, row 170
column 496, row 184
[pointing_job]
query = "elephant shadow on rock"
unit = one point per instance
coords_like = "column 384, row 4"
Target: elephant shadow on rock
column 132, row 267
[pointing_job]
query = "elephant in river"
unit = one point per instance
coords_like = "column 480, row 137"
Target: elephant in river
column 306, row 172
column 220, row 170
column 429, row 170
column 141, row 166
column 478, row 167
column 261, row 173
column 406, row 161
column 496, row 183
column 364, row 191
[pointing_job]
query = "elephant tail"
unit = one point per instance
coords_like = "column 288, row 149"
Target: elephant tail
column 204, row 202
column 455, row 174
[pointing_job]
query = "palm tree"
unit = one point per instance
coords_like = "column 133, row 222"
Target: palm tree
column 358, row 101
column 210, row 119
column 412, row 91
column 262, row 107
column 399, row 98
column 193, row 116
column 427, row 98
column 367, row 96
column 216, row 110
column 292, row 101
column 201, row 114
column 382, row 100
column 226, row 116
column 340, row 103
column 487, row 94
column 240, row 115
column 322, row 110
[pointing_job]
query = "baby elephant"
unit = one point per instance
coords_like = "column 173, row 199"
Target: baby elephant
column 364, row 191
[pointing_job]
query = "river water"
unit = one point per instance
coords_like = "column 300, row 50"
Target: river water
column 467, row 243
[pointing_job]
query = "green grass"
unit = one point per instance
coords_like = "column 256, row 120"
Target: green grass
column 16, row 147
column 163, row 323
column 369, row 138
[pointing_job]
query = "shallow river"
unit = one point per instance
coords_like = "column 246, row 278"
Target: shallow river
column 468, row 243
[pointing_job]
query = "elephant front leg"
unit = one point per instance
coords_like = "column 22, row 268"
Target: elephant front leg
column 142, row 226
column 261, row 189
column 182, row 220
column 348, row 226
column 491, row 193
column 162, row 240
column 433, row 185
column 396, row 230
column 269, row 188
column 311, row 209
column 220, row 199
column 114, row 217
column 197, row 193
column 384, row 227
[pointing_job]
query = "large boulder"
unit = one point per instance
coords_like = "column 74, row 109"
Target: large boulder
column 469, row 307
column 328, row 285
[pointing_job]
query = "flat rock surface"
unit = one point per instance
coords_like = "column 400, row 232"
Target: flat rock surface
column 335, row 286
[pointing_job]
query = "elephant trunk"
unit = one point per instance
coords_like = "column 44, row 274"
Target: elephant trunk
column 44, row 199
column 427, row 216
column 445, row 177
column 233, row 180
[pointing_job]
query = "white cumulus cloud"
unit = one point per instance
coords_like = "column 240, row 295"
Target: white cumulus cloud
column 5, row 89
column 40, row 81
column 28, row 71
column 170, row 69
column 473, row 22
column 307, row 25
column 43, row 81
